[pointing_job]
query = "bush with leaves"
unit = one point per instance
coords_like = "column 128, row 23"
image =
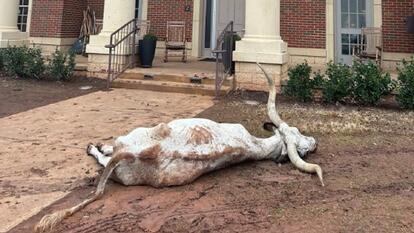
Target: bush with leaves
column 300, row 84
column 61, row 66
column 1, row 59
column 338, row 84
column 369, row 83
column 405, row 96
column 23, row 62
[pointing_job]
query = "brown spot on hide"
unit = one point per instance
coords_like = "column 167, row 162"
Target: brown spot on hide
column 199, row 135
column 227, row 151
column 123, row 156
column 162, row 131
column 151, row 153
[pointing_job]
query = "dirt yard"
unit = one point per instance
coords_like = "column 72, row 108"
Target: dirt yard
column 18, row 95
column 367, row 155
column 42, row 145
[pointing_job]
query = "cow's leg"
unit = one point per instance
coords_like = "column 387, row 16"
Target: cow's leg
column 101, row 158
column 107, row 150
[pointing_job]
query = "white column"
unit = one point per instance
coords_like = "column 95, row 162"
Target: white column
column 262, row 41
column 9, row 34
column 116, row 14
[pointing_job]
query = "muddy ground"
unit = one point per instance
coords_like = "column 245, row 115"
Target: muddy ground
column 42, row 146
column 18, row 95
column 367, row 155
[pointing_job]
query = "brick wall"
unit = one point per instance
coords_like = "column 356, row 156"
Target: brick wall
column 98, row 7
column 72, row 18
column 303, row 23
column 46, row 18
column 61, row 19
column 396, row 38
column 161, row 11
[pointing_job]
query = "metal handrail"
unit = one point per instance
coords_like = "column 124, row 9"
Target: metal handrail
column 224, row 56
column 122, row 50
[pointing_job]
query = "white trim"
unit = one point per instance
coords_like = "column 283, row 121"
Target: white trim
column 144, row 9
column 214, row 25
column 29, row 17
column 330, row 30
column 197, row 31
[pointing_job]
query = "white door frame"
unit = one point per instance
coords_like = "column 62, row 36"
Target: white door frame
column 207, row 52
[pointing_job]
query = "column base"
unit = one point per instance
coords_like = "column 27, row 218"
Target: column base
column 13, row 38
column 98, row 64
column 261, row 50
column 249, row 76
column 97, row 44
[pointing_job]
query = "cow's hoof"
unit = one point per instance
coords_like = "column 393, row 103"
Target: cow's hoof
column 99, row 147
column 89, row 149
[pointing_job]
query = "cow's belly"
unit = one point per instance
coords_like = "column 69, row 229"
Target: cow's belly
column 171, row 172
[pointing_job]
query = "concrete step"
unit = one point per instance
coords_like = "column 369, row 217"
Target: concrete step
column 168, row 86
column 172, row 78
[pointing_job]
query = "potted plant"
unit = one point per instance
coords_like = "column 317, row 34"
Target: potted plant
column 147, row 50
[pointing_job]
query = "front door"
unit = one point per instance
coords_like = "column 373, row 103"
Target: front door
column 352, row 15
column 217, row 14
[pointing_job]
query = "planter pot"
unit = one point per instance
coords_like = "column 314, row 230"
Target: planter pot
column 410, row 24
column 147, row 52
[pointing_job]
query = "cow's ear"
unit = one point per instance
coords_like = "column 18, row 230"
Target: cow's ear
column 269, row 126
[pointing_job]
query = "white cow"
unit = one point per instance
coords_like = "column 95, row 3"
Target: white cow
column 179, row 152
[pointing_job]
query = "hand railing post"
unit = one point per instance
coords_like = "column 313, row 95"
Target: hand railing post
column 134, row 46
column 108, row 83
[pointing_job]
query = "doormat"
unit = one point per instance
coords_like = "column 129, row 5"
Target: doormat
column 209, row 59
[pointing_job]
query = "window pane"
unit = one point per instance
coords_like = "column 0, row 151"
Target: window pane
column 353, row 21
column 23, row 29
column 345, row 38
column 345, row 49
column 25, row 10
column 362, row 6
column 345, row 21
column 344, row 6
column 354, row 38
column 362, row 20
column 353, row 6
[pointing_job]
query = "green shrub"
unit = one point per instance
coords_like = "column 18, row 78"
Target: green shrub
column 1, row 59
column 318, row 80
column 61, row 66
column 337, row 86
column 23, row 62
column 300, row 84
column 405, row 97
column 369, row 83
column 150, row 36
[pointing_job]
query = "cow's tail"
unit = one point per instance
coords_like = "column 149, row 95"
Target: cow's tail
column 48, row 222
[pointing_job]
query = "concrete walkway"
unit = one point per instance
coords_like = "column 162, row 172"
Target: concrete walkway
column 42, row 151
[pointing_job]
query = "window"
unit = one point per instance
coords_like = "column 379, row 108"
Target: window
column 22, row 16
column 137, row 9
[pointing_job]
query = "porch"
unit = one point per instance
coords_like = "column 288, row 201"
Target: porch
column 260, row 43
column 196, row 76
